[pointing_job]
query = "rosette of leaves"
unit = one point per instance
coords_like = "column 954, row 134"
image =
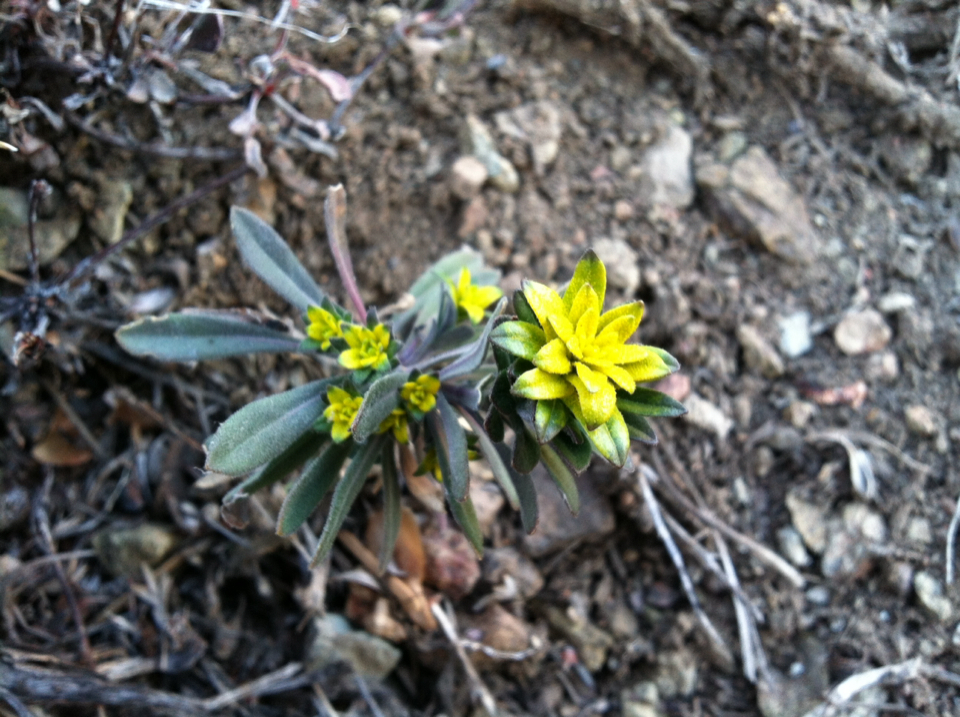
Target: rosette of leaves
column 568, row 381
column 416, row 380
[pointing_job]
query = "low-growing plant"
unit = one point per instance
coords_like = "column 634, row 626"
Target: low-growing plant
column 563, row 383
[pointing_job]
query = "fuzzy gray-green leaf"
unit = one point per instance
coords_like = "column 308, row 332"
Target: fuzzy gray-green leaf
column 347, row 491
column 316, row 480
column 471, row 360
column 452, row 453
column 391, row 507
column 497, row 466
column 194, row 335
column 647, row 402
column 268, row 255
column 466, row 516
column 378, row 402
column 519, row 338
column 262, row 430
column 280, row 467
column 563, row 477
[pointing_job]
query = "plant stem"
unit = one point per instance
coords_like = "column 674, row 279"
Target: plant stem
column 335, row 216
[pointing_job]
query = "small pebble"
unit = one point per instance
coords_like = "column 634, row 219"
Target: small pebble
column 795, row 336
column 895, row 302
column 799, row 413
column 862, row 332
column 921, row 420
column 818, row 595
column 467, row 176
column 791, row 545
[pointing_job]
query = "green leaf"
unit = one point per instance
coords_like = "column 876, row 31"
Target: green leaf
column 519, row 338
column 640, row 429
column 522, row 308
column 195, row 335
column 262, row 430
column 379, row 401
column 529, row 509
column 280, row 467
column 563, row 477
column 669, row 360
column 647, row 402
column 578, row 454
column 550, row 419
column 316, row 480
column 503, row 400
column 471, row 360
column 612, row 440
column 526, row 450
column 347, row 491
column 450, row 441
column 466, row 516
column 391, row 507
column 497, row 466
column 268, row 255
column 590, row 270
column 494, row 426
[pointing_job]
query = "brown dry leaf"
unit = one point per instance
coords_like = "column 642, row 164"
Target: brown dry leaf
column 381, row 623
column 408, row 554
column 59, row 447
column 853, row 394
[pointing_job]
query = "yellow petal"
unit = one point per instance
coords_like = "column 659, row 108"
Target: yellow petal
column 621, row 377
column 590, row 270
column 486, row 295
column 553, row 358
column 351, row 359
column 618, row 330
column 596, row 407
column 619, row 354
column 539, row 385
column 587, row 326
column 593, row 380
column 340, row 432
column 561, row 326
column 474, row 311
column 544, row 302
column 651, row 368
column 634, row 309
column 585, row 299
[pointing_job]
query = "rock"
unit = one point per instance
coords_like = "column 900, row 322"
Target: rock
column 667, row 170
column 799, row 413
column 918, row 531
column 623, row 264
column 921, row 421
column 906, row 157
column 884, row 366
column 818, row 595
column 622, row 210
column 795, row 336
column 810, row 521
column 452, row 565
column 497, row 628
column 110, row 211
column 386, row 16
column 591, row 642
column 640, row 700
column 557, row 528
column 676, row 674
column 755, row 202
column 849, row 541
column 14, row 507
column 477, row 141
column 123, row 551
column 731, row 146
column 791, row 545
column 930, row 594
column 335, row 641
column 868, row 524
column 862, row 332
column 910, row 256
column 467, row 176
column 537, row 124
column 896, row 301
column 758, row 354
column 620, row 158
column 500, row 564
column 705, row 415
column 487, row 500
column 53, row 234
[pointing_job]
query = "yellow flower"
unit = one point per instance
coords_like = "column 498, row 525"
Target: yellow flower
column 368, row 348
column 341, row 412
column 580, row 354
column 323, row 326
column 422, row 393
column 473, row 299
column 397, row 422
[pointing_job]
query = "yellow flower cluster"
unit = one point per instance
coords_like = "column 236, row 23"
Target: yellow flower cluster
column 473, row 299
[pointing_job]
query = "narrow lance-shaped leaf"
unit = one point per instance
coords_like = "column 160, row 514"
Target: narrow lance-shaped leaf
column 466, row 516
column 280, row 467
column 577, row 454
column 262, row 430
column 526, row 493
column 378, row 402
column 452, row 451
column 563, row 477
column 347, row 491
column 519, row 338
column 194, row 335
column 316, row 480
column 526, row 450
column 647, row 402
column 639, row 428
column 497, row 465
column 391, row 507
column 471, row 360
column 550, row 419
column 268, row 255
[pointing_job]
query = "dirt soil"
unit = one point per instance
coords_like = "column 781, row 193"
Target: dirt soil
column 779, row 182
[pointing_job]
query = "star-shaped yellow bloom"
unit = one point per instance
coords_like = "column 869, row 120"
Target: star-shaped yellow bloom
column 323, row 326
column 396, row 422
column 368, row 348
column 341, row 412
column 473, row 299
column 421, row 394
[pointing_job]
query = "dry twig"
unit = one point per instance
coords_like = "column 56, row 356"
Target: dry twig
column 952, row 543
column 479, row 690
